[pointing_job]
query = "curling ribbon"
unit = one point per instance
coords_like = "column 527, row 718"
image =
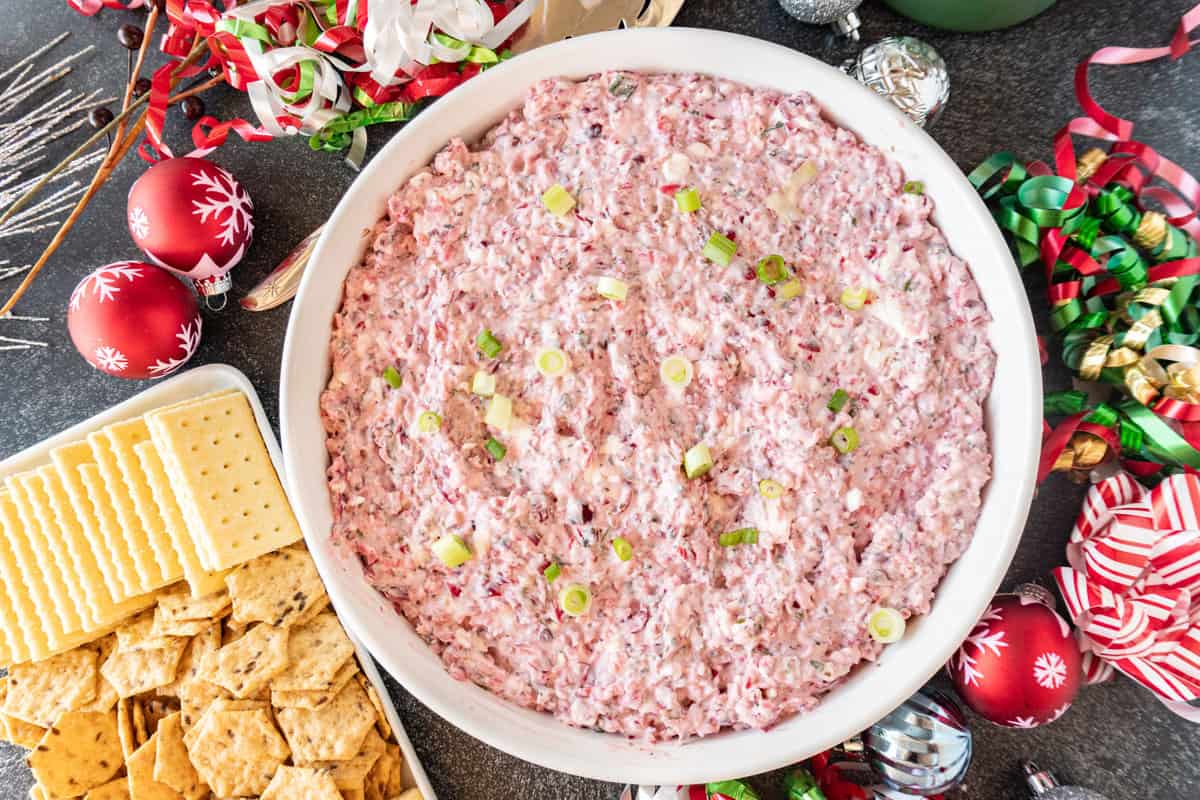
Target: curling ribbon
column 1122, row 280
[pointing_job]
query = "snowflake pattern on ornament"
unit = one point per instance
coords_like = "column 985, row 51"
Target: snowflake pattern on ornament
column 110, row 359
column 1049, row 670
column 1022, row 722
column 103, row 283
column 189, row 340
column 225, row 201
column 139, row 223
column 1058, row 712
column 982, row 638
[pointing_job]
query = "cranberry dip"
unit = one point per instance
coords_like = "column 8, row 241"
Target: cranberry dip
column 645, row 407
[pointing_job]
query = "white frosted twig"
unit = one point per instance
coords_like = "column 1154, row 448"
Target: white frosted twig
column 47, row 47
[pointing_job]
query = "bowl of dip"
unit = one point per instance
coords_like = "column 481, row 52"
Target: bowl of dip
column 1011, row 416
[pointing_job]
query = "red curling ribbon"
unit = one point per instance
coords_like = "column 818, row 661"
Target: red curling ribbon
column 1178, row 409
column 90, row 8
column 209, row 133
column 1060, row 437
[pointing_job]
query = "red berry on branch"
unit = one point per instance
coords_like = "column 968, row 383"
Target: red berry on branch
column 192, row 107
column 141, row 86
column 99, row 117
column 130, row 36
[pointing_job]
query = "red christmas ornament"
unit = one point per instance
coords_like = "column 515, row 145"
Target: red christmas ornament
column 1020, row 667
column 134, row 320
column 193, row 218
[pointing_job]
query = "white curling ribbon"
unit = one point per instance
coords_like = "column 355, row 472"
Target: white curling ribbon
column 655, row 793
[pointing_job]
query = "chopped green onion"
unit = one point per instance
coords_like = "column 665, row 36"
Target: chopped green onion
column 771, row 269
column 675, row 371
column 482, row 55
column 483, row 384
column 844, row 440
column 451, row 551
column 499, row 413
column 551, row 362
column 790, row 289
column 393, row 377
column 552, row 572
column 495, row 449
column 838, row 401
column 740, row 536
column 886, row 625
column 622, row 548
column 575, row 599
column 488, row 344
column 771, row 490
column 720, row 249
column 855, row 297
column 612, row 288
column 914, row 187
column 558, row 201
column 697, row 461
column 429, row 422
column 687, row 200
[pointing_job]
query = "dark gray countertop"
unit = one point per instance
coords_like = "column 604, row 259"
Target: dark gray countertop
column 1011, row 90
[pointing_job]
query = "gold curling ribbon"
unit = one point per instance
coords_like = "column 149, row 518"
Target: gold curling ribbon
column 1151, row 231
column 1151, row 296
column 1140, row 385
column 1137, row 335
column 1088, row 163
column 1122, row 357
column 1082, row 454
column 1093, row 359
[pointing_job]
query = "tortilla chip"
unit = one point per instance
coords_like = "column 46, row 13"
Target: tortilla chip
column 138, row 671
column 381, row 720
column 316, row 651
column 334, row 732
column 172, row 766
column 178, row 605
column 113, row 790
column 140, row 767
column 301, row 783
column 351, row 774
column 40, row 691
column 287, row 699
column 245, row 666
column 276, row 587
column 237, row 752
column 79, row 753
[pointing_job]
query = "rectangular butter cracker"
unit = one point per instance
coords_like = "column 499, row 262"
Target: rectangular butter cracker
column 137, row 542
column 58, row 513
column 48, row 550
column 21, row 623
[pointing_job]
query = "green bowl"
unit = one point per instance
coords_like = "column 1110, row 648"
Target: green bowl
column 970, row 15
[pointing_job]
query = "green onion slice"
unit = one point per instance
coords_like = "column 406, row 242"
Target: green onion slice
column 914, row 187
column 838, row 401
column 675, row 371
column 612, row 288
column 393, row 377
column 697, row 461
column 499, row 413
column 771, row 270
column 429, row 422
column 552, row 572
column 855, row 297
column 575, row 599
column 790, row 289
column 558, row 201
column 495, row 448
column 844, row 440
column 770, row 489
column 720, row 249
column 886, row 625
column 687, row 200
column 488, row 344
column 551, row 362
column 622, row 548
column 451, row 551
column 483, row 384
column 740, row 536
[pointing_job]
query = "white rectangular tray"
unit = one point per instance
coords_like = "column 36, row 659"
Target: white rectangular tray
column 194, row 382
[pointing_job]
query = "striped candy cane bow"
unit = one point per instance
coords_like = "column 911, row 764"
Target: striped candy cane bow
column 1133, row 587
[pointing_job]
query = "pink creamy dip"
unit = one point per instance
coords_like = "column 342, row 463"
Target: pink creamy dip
column 687, row 637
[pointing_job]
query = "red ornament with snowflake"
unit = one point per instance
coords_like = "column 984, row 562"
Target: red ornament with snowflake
column 1020, row 666
column 193, row 218
column 134, row 320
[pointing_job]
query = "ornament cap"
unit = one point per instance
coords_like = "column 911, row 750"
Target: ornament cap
column 213, row 286
column 1036, row 593
column 1038, row 780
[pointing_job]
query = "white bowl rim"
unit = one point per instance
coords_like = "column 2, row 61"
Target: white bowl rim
column 1013, row 414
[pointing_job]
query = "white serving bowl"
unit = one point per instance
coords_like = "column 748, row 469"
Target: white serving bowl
column 1013, row 413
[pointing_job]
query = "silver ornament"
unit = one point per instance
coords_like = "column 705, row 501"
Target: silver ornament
column 838, row 13
column 906, row 71
column 1044, row 786
column 923, row 747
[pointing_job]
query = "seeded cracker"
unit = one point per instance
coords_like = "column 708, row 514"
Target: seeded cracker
column 282, row 698
column 113, row 790
column 301, row 783
column 381, row 720
column 245, row 666
column 171, row 763
column 200, row 645
column 178, row 604
column 79, row 753
column 349, row 775
column 333, row 732
column 237, row 752
column 316, row 651
column 39, row 692
column 140, row 767
column 106, row 695
column 277, row 587
column 17, row 731
column 140, row 671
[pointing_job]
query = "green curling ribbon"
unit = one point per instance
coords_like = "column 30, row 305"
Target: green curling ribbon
column 1103, row 415
column 982, row 175
column 732, row 789
column 800, row 785
column 338, row 133
column 1043, row 198
column 1132, row 437
column 1058, row 404
column 1160, row 440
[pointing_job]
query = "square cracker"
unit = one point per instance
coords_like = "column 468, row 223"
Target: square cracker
column 283, row 698
column 79, row 753
column 124, row 568
column 133, row 533
column 49, row 553
column 245, row 666
column 22, row 624
column 39, row 692
column 201, row 581
column 276, row 587
column 226, row 484
column 122, row 438
column 317, row 650
column 334, row 732
column 140, row 766
column 301, row 783
column 172, row 766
